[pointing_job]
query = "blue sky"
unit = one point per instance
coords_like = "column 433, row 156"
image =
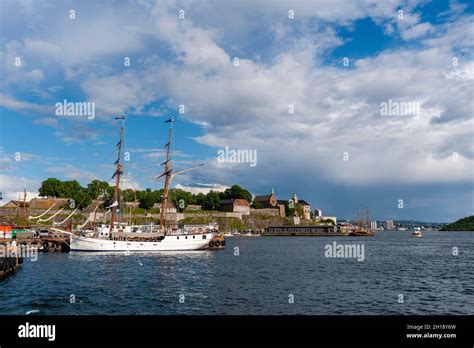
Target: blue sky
column 426, row 161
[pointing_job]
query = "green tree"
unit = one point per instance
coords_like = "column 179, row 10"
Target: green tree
column 200, row 198
column 51, row 188
column 128, row 195
column 147, row 200
column 212, row 201
column 98, row 189
column 181, row 199
column 83, row 199
column 327, row 221
column 236, row 192
column 289, row 210
column 70, row 188
column 299, row 210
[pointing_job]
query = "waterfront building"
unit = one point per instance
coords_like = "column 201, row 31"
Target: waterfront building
column 170, row 208
column 306, row 206
column 235, row 205
column 318, row 216
column 267, row 201
column 373, row 225
column 270, row 202
column 389, row 225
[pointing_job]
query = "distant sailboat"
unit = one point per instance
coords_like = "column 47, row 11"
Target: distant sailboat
column 361, row 230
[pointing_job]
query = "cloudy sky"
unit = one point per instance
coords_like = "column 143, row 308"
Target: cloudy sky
column 299, row 82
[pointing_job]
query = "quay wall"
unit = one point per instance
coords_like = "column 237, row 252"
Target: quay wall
column 292, row 230
column 9, row 259
column 265, row 211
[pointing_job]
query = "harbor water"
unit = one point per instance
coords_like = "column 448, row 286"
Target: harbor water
column 256, row 275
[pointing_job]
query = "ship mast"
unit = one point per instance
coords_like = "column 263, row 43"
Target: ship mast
column 363, row 217
column 24, row 205
column 17, row 217
column 368, row 218
column 118, row 172
column 358, row 218
column 167, row 174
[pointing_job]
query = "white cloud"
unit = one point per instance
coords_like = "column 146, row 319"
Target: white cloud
column 12, row 103
column 72, row 172
column 35, row 74
column 417, row 31
column 457, row 35
column 200, row 189
column 113, row 95
column 47, row 121
column 129, row 182
column 337, row 109
column 79, row 133
column 12, row 187
column 41, row 48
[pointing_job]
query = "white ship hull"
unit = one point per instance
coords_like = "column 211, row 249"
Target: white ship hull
column 169, row 243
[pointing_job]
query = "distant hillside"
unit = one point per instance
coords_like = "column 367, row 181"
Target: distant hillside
column 465, row 224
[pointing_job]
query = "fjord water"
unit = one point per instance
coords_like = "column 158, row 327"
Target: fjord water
column 258, row 281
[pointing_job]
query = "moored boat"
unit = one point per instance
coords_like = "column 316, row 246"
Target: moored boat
column 119, row 236
column 362, row 229
column 362, row 233
column 167, row 243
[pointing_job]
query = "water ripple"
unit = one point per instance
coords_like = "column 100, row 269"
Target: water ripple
column 259, row 281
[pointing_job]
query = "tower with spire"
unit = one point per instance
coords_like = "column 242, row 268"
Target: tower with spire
column 294, row 198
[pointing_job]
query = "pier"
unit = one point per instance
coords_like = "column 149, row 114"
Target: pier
column 301, row 230
column 9, row 259
column 46, row 244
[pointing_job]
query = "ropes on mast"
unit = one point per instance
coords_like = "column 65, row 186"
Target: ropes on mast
column 37, row 217
column 60, row 223
column 52, row 216
column 89, row 218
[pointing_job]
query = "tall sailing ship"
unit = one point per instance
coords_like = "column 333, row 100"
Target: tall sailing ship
column 362, row 229
column 119, row 236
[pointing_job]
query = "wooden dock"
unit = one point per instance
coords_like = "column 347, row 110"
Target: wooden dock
column 9, row 259
column 303, row 231
column 46, row 244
